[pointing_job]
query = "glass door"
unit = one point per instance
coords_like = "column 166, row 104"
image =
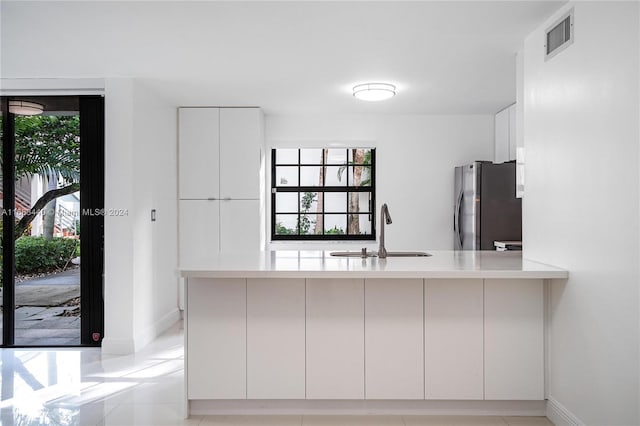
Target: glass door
column 50, row 272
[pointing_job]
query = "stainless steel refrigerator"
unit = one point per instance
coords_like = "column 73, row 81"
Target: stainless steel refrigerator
column 486, row 208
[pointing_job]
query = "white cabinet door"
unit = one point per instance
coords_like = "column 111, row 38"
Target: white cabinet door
column 199, row 231
column 335, row 339
column 240, row 225
column 513, row 339
column 275, row 339
column 501, row 141
column 394, row 332
column 216, row 340
column 199, row 153
column 453, row 339
column 241, row 141
column 512, row 132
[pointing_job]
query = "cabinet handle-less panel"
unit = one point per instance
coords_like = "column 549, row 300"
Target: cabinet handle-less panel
column 501, row 141
column 199, row 153
column 240, row 225
column 240, row 143
column 216, row 340
column 453, row 336
column 275, row 338
column 199, row 231
column 335, row 339
column 514, row 339
column 394, row 332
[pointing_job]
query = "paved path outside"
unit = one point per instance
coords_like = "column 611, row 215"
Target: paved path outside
column 40, row 303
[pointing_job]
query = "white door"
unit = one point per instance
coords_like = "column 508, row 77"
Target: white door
column 394, row 362
column 240, row 225
column 199, row 231
column 514, row 339
column 335, row 339
column 453, row 339
column 275, row 338
column 198, row 153
column 241, row 140
column 216, row 340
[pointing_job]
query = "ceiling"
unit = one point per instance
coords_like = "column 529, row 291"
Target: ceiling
column 296, row 57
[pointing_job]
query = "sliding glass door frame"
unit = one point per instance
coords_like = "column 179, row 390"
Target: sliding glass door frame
column 91, row 221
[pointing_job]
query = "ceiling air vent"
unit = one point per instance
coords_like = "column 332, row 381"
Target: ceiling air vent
column 559, row 36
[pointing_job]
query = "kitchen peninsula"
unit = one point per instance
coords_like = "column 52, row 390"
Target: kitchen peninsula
column 304, row 332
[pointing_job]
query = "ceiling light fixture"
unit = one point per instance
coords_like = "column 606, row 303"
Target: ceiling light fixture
column 25, row 108
column 374, row 91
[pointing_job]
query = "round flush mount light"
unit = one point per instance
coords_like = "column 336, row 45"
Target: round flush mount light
column 25, row 108
column 374, row 91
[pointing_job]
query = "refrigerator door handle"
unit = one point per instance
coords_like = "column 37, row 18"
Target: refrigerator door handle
column 456, row 220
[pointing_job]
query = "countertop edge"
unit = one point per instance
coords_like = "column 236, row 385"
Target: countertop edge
column 192, row 273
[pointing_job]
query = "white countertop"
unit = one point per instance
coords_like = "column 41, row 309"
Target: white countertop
column 319, row 264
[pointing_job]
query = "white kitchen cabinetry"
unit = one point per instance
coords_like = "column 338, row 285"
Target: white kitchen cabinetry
column 241, row 140
column 199, row 231
column 275, row 339
column 199, row 153
column 514, row 339
column 453, row 336
column 394, row 348
column 335, row 338
column 216, row 343
column 505, row 135
column 220, row 156
column 240, row 225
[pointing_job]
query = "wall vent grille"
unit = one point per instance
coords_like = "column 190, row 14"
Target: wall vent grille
column 559, row 36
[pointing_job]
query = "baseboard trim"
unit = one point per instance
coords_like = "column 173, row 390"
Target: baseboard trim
column 157, row 328
column 113, row 346
column 560, row 415
column 376, row 407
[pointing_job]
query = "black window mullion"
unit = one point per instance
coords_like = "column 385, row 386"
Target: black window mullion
column 323, row 189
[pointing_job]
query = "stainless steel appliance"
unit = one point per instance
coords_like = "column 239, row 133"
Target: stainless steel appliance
column 486, row 208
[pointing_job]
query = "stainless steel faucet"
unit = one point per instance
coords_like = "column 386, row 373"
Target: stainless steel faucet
column 384, row 217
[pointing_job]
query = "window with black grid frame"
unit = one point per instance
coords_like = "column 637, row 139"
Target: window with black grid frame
column 322, row 194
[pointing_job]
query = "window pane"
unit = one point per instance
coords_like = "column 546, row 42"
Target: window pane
column 286, row 156
column 308, row 224
column 335, row 224
column 335, row 202
column 286, row 224
column 359, row 202
column 310, row 175
column 308, row 202
column 359, row 224
column 286, row 202
column 362, row 156
column 359, row 176
column 336, row 176
column 286, row 176
column 336, row 156
column 311, row 156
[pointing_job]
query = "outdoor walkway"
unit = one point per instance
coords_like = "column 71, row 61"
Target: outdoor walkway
column 43, row 316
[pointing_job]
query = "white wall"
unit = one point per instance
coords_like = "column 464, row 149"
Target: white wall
column 581, row 211
column 140, row 255
column 415, row 160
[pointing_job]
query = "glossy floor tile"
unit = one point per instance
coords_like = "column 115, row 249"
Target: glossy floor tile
column 81, row 386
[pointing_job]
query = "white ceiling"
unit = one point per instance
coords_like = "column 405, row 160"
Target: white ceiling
column 455, row 57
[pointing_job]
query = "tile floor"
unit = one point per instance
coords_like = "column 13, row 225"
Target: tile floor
column 83, row 387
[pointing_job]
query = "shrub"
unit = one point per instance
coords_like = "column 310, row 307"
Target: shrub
column 35, row 254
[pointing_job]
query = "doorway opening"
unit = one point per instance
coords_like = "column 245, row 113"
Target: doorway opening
column 52, row 188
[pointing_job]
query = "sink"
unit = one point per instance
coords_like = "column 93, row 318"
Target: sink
column 375, row 254
column 407, row 254
column 353, row 254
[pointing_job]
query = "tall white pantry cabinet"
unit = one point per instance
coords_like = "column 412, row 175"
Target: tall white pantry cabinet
column 220, row 153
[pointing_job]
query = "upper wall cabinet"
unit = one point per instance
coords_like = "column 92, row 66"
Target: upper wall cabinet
column 199, row 153
column 505, row 135
column 220, row 153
